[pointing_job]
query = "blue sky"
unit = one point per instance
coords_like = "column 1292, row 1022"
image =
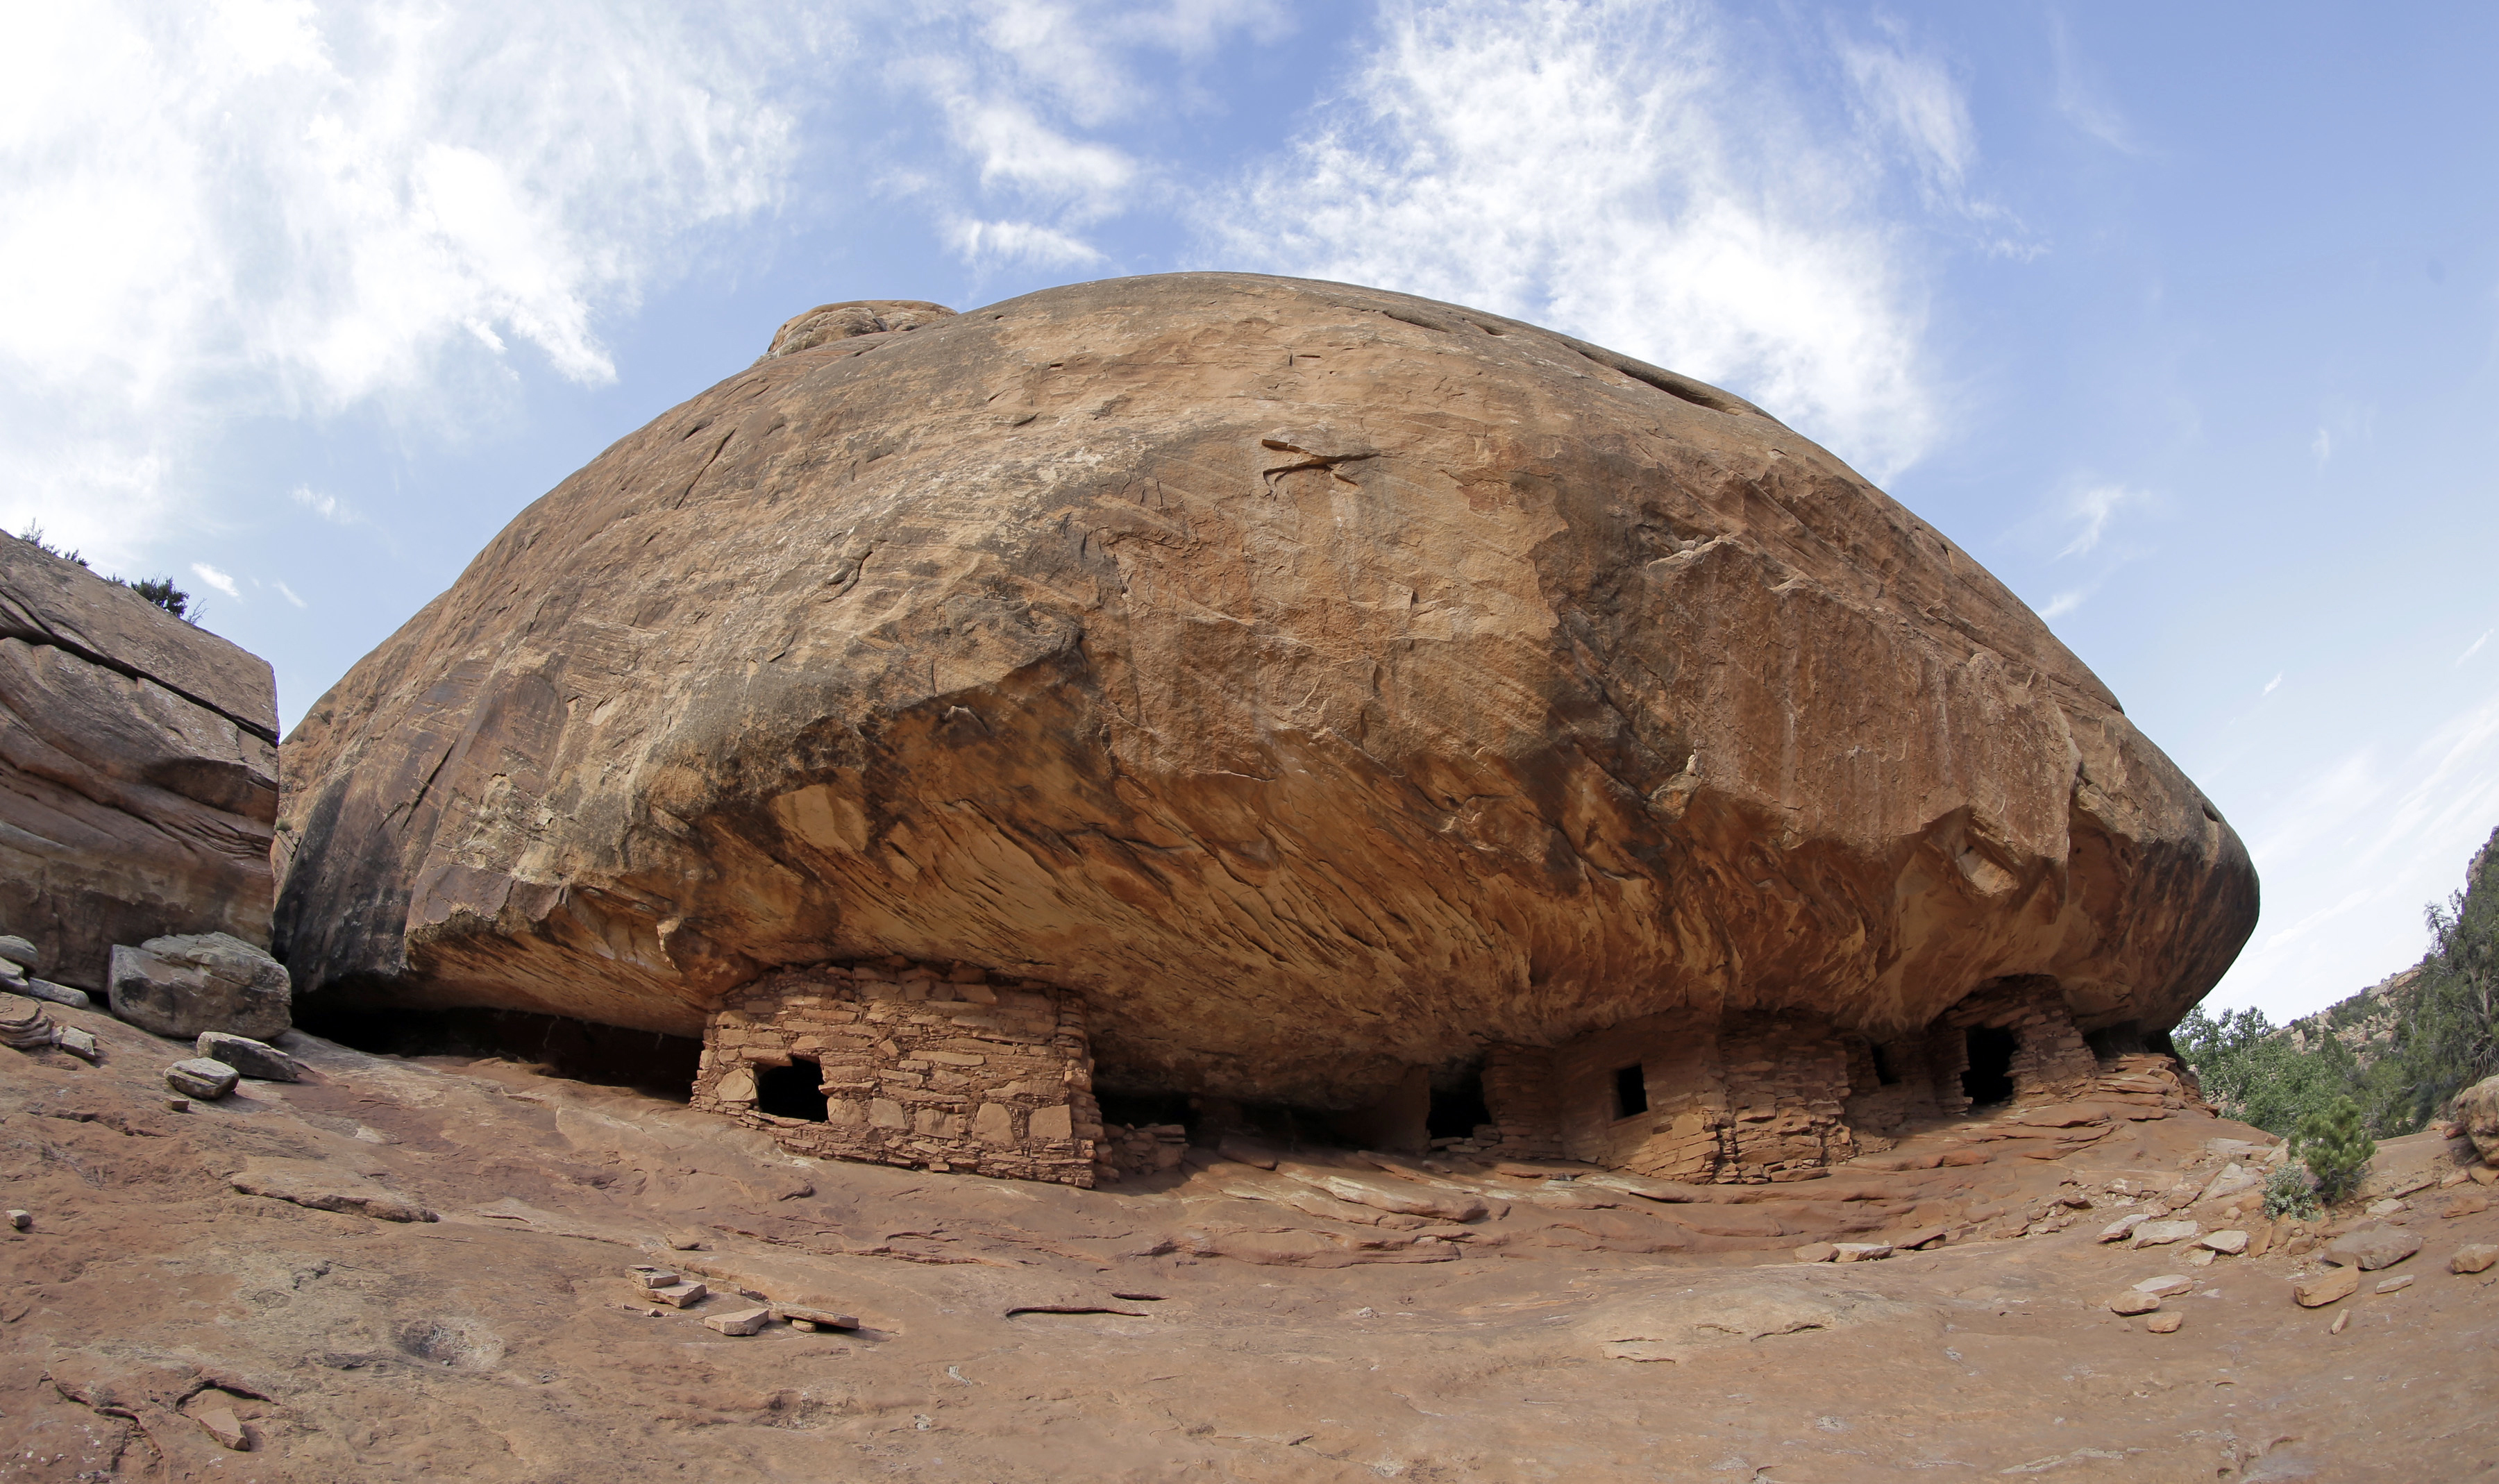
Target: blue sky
column 2184, row 319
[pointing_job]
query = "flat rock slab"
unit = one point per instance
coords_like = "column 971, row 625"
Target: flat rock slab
column 2157, row 1233
column 821, row 1318
column 2327, row 1288
column 58, row 995
column 2371, row 1248
column 252, row 1058
column 738, row 1321
column 1684, row 1326
column 311, row 1184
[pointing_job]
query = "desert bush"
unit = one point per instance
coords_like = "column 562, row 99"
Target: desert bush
column 2289, row 1193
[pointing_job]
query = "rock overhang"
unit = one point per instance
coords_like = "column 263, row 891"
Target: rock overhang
column 1317, row 680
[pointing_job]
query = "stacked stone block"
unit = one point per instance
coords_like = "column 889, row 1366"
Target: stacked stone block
column 1518, row 1094
column 931, row 1066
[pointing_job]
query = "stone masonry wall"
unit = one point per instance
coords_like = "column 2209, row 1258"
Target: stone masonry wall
column 923, row 1065
column 2049, row 1060
column 1754, row 1100
column 1518, row 1095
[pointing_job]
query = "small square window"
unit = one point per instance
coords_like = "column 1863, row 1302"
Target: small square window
column 1631, row 1092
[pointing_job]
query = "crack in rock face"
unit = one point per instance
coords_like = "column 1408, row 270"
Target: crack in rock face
column 1319, row 684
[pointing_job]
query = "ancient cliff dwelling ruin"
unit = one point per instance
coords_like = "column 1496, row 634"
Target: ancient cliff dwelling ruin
column 1260, row 706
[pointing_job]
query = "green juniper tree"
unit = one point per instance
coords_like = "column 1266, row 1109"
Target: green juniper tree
column 2449, row 1036
column 2334, row 1143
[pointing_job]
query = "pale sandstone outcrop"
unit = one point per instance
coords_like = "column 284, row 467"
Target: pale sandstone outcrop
column 1319, row 682
column 138, row 770
column 2476, row 1117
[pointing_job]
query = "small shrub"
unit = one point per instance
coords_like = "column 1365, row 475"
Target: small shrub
column 33, row 536
column 161, row 591
column 2335, row 1145
column 2289, row 1193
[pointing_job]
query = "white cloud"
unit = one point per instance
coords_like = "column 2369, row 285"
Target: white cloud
column 277, row 207
column 1604, row 167
column 986, row 244
column 2475, row 647
column 218, row 580
column 2096, row 508
column 2322, row 447
column 287, row 592
column 2064, row 604
column 2274, row 684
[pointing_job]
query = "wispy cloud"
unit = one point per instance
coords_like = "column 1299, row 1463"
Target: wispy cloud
column 221, row 581
column 327, row 506
column 2273, row 685
column 2095, row 508
column 2065, row 602
column 2322, row 447
column 1606, row 168
column 1911, row 97
column 2475, row 648
column 287, row 592
column 1026, row 89
column 987, row 243
column 2079, row 99
column 2359, row 848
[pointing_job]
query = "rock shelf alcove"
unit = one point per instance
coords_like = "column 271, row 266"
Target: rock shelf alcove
column 1332, row 700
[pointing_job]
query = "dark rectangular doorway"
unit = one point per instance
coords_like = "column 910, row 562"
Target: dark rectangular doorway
column 1989, row 1078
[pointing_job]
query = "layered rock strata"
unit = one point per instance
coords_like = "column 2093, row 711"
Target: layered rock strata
column 138, row 770
column 1318, row 683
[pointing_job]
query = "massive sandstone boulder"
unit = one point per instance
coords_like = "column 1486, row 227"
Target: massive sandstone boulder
column 1321, row 682
column 138, row 770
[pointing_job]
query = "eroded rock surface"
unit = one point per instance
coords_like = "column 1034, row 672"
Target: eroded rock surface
column 138, row 770
column 1321, row 682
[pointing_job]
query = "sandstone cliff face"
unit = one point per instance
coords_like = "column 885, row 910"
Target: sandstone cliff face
column 138, row 770
column 1320, row 681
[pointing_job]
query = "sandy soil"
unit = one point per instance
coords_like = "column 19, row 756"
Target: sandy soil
column 1221, row 1322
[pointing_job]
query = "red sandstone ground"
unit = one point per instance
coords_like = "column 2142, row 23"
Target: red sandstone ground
column 1238, row 1337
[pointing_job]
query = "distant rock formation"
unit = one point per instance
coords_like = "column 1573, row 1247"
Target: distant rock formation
column 138, row 770
column 1322, row 683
